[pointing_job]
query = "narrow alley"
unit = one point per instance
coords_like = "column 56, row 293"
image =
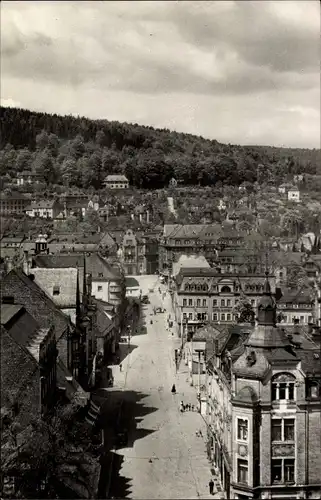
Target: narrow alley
column 164, row 458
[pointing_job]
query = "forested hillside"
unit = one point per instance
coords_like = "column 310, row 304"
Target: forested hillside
column 80, row 152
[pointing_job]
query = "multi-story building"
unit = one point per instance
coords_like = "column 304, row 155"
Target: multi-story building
column 130, row 252
column 205, row 239
column 139, row 253
column 107, row 282
column 32, row 345
column 297, row 306
column 264, row 411
column 46, row 209
column 202, row 295
column 116, row 181
column 14, row 203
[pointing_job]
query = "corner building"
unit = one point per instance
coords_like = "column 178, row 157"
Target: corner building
column 274, row 379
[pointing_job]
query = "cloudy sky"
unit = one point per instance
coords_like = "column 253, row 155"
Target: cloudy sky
column 244, row 72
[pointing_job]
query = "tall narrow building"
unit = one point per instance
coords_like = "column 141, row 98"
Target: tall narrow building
column 273, row 382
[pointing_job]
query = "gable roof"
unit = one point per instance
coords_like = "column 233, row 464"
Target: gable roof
column 95, row 264
column 42, row 204
column 116, row 178
column 64, row 279
column 294, row 296
column 39, row 305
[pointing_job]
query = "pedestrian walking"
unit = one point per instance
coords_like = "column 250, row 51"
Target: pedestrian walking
column 173, row 391
column 211, row 486
column 120, row 367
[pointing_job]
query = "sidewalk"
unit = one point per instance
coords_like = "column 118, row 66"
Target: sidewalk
column 191, row 422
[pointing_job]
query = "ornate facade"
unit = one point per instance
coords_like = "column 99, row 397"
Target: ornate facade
column 264, row 411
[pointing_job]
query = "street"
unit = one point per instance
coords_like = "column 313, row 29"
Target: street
column 164, row 458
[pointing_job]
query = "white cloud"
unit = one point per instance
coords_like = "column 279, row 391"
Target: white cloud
column 234, row 71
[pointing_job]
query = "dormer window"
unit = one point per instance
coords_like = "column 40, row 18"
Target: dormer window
column 56, row 290
column 100, row 275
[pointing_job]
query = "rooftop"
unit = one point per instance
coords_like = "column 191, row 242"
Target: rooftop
column 41, row 204
column 95, row 265
column 116, row 178
column 38, row 304
column 60, row 284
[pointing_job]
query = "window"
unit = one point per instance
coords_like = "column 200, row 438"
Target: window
column 301, row 319
column 215, row 317
column 184, row 316
column 283, row 387
column 228, row 302
column 204, row 302
column 242, row 471
column 56, row 290
column 184, row 302
column 190, row 302
column 313, row 390
column 222, row 317
column 198, row 303
column 222, row 302
column 214, row 302
column 100, row 275
column 282, row 470
column 190, row 315
column 99, row 288
column 283, row 429
column 242, row 429
column 228, row 317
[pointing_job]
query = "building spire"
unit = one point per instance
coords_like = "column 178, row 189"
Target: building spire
column 267, row 287
column 267, row 305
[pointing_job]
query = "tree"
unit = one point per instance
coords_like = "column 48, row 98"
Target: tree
column 244, row 311
column 44, row 165
column 296, row 276
column 23, row 159
column 69, row 172
column 52, row 459
column 42, row 140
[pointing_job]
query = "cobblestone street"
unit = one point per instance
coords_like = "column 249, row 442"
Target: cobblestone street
column 164, row 457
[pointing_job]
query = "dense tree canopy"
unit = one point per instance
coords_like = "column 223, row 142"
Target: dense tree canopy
column 75, row 150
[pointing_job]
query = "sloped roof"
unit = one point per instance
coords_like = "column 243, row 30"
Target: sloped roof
column 63, row 278
column 294, row 296
column 116, row 178
column 74, row 391
column 205, row 333
column 17, row 368
column 41, row 204
column 95, row 265
column 268, row 336
column 19, row 323
column 8, row 311
column 39, row 305
column 190, row 261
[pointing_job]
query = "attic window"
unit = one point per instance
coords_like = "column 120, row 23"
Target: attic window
column 100, row 275
column 56, row 290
